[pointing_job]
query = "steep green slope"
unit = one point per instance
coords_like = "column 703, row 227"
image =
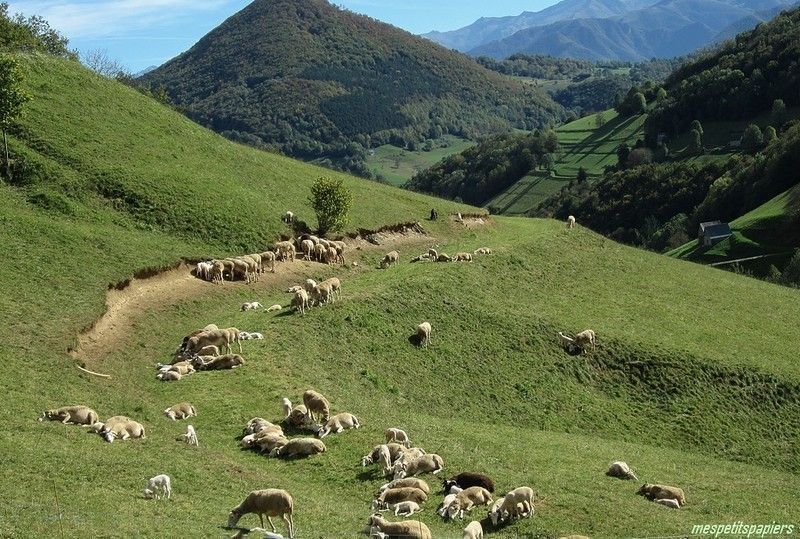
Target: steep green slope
column 320, row 82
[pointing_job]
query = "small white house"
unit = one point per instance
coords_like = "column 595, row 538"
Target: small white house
column 713, row 232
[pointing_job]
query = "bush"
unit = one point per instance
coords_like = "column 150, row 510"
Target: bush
column 331, row 201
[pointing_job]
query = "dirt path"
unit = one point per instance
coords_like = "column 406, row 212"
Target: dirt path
column 124, row 305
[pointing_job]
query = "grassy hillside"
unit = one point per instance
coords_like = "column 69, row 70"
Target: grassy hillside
column 320, row 82
column 398, row 165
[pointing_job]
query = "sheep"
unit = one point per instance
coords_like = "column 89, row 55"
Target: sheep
column 203, row 270
column 76, row 415
column 184, row 410
column 463, row 257
column 253, row 266
column 271, row 432
column 169, row 376
column 516, row 503
column 571, row 221
column 256, row 424
column 271, row 502
column 467, row 499
column 210, row 350
column 443, row 258
column 656, row 492
column 452, row 489
column 253, row 336
column 390, row 258
column 299, row 447
column 158, row 486
column 252, row 306
column 405, row 529
column 566, row 341
column 298, row 417
column 420, row 258
column 424, row 334
column 275, row 307
column 669, row 502
column 433, row 254
column 293, row 289
column 301, row 301
column 316, row 403
column 444, row 508
column 395, row 495
column 240, row 268
column 473, row 531
column 427, row 463
column 338, row 423
column 393, row 451
column 287, row 218
column 322, row 294
column 259, row 263
column 397, row 435
column 621, row 470
column 268, row 442
column 307, row 246
column 190, row 437
column 585, row 338
column 385, row 460
column 469, row 479
column 234, row 335
column 407, row 482
column 182, row 367
column 287, row 407
column 482, row 251
column 408, row 455
column 263, row 533
column 404, row 509
column 335, row 285
column 268, row 256
column 285, row 250
column 228, row 361
column 319, row 252
column 217, row 271
column 121, row 427
column 216, row 337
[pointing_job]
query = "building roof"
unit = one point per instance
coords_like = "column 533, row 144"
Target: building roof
column 714, row 229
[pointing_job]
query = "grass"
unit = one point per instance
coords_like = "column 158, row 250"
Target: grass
column 398, row 165
column 683, row 387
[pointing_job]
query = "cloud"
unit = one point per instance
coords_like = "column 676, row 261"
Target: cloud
column 100, row 18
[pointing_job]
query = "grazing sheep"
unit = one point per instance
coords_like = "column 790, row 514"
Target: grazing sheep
column 76, row 415
column 338, row 423
column 252, row 306
column 395, row 495
column 389, row 259
column 169, row 376
column 203, row 270
column 217, row 270
column 285, row 250
column 216, row 337
column 190, row 437
column 669, row 502
column 467, row 499
column 427, row 463
column 482, row 251
column 424, row 334
column 121, row 427
column 443, row 258
column 463, row 257
column 307, row 246
column 515, row 504
column 585, row 338
column 287, row 407
column 414, row 482
column 621, row 470
column 228, row 361
column 316, row 403
column 469, row 479
column 319, row 252
column 405, row 509
column 271, row 502
column 298, row 417
column 473, row 531
column 158, row 487
column 275, row 307
column 405, row 529
column 309, row 285
column 299, row 447
column 301, row 301
column 184, row 410
column 372, row 456
column 268, row 256
column 398, row 436
column 385, row 460
column 571, row 221
column 657, row 492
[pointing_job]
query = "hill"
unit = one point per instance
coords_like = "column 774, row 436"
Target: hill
column 320, row 83
column 662, row 30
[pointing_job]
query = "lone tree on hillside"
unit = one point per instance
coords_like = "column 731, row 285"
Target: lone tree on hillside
column 695, row 142
column 331, row 201
column 753, row 138
column 12, row 98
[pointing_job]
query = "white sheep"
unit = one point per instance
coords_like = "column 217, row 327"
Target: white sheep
column 190, row 437
column 467, row 499
column 316, row 403
column 516, row 503
column 621, row 470
column 251, row 306
column 77, row 415
column 307, row 246
column 287, row 407
column 121, row 427
column 275, row 307
column 432, row 463
column 669, row 502
column 398, row 436
column 301, row 301
column 405, row 508
column 424, row 334
column 482, row 251
column 271, row 502
column 158, row 487
column 407, row 529
column 448, row 501
column 338, row 423
column 586, row 338
column 415, row 482
column 571, row 221
column 204, row 270
column 299, row 447
column 389, row 259
column 288, row 218
column 473, row 531
column 463, row 257
column 184, row 410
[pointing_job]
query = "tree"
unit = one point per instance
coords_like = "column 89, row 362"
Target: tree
column 697, row 126
column 623, row 152
column 695, row 142
column 12, row 98
column 640, row 156
column 779, row 112
column 99, row 61
column 753, row 138
column 582, row 176
column 599, row 120
column 331, row 201
column 661, row 94
column 770, row 135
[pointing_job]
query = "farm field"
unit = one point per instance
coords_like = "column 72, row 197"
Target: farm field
column 686, row 393
column 398, row 165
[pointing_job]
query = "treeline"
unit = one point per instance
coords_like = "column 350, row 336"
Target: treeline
column 740, row 79
column 31, row 34
column 483, row 171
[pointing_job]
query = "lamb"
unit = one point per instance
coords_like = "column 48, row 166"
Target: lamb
column 287, row 218
column 392, row 450
column 571, row 221
column 190, row 437
column 482, row 251
column 121, row 427
column 385, row 460
column 270, row 441
column 203, row 270
column 169, row 376
column 424, row 334
column 444, row 508
column 519, row 498
column 420, row 258
column 275, row 307
column 473, row 531
column 397, row 435
column 621, row 470
column 656, row 492
column 405, row 529
column 287, row 407
column 228, row 361
column 427, row 463
column 182, row 367
column 184, row 410
column 585, row 339
column 158, row 487
column 298, row 417
column 669, row 502
column 408, row 482
column 463, row 257
column 252, row 306
column 253, row 336
column 405, row 509
column 338, row 423
column 299, row 447
column 271, row 502
column 316, row 403
column 469, row 479
column 301, row 301
column 76, row 415
column 309, row 285
column 401, row 494
column 389, row 259
column 467, row 499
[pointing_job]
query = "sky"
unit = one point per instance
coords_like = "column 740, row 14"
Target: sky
column 143, row 33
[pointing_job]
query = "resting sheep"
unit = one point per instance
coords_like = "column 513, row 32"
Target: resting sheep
column 465, row 480
column 467, row 499
column 158, row 487
column 473, row 531
column 443, row 258
column 427, row 463
column 275, row 307
column 256, row 424
column 298, row 417
column 657, row 492
column 463, row 257
column 398, row 436
column 400, row 494
column 338, row 423
column 121, row 427
column 405, row 509
column 251, row 306
column 76, row 415
column 169, row 376
column 299, row 447
column 414, row 482
column 621, row 470
column 669, row 502
column 482, row 251
column 405, row 529
column 228, row 361
column 183, row 410
column 316, row 403
column 424, row 334
column 271, row 502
